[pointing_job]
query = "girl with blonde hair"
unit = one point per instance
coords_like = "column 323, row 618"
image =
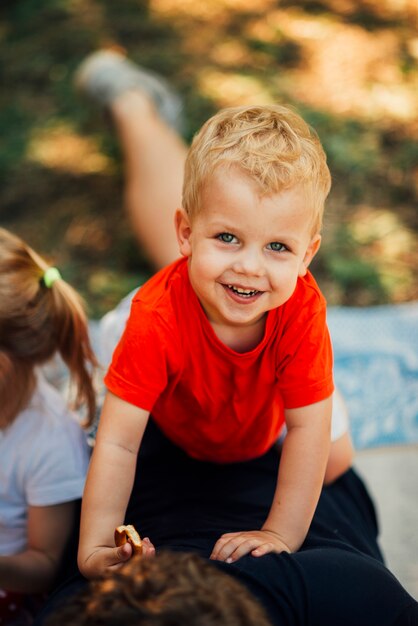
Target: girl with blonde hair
column 43, row 451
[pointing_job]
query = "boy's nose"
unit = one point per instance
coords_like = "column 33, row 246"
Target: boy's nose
column 249, row 262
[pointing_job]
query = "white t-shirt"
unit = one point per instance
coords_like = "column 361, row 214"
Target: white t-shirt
column 43, row 461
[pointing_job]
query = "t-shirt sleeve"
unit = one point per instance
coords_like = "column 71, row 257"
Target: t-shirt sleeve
column 305, row 363
column 57, row 464
column 140, row 366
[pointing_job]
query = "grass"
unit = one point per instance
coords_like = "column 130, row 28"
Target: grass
column 349, row 68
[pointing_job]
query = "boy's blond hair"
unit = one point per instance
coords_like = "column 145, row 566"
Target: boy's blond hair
column 272, row 144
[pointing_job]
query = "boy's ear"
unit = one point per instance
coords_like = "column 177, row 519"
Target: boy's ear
column 183, row 231
column 311, row 250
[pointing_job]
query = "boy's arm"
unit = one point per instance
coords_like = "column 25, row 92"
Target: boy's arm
column 109, row 484
column 34, row 569
column 301, row 476
column 302, row 468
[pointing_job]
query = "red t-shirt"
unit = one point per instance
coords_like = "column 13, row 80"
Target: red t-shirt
column 217, row 404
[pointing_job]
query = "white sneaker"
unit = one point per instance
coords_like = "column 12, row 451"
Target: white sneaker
column 104, row 75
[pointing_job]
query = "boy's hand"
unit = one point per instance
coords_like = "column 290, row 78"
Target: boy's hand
column 107, row 559
column 232, row 546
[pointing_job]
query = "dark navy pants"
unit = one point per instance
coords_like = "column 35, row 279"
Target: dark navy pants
column 336, row 578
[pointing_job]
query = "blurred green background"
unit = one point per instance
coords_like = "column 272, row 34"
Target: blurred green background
column 348, row 66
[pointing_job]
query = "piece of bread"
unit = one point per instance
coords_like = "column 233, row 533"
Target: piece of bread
column 128, row 533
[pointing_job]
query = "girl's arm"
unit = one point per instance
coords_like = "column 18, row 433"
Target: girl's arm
column 301, row 476
column 33, row 570
column 109, row 484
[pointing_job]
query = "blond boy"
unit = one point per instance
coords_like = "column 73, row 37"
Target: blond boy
column 228, row 346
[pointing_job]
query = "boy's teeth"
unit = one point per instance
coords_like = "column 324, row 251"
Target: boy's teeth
column 243, row 292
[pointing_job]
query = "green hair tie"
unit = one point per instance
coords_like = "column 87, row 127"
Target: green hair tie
column 50, row 276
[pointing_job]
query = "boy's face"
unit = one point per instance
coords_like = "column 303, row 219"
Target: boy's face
column 245, row 251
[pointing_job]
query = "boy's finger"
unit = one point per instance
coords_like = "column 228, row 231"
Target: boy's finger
column 245, row 547
column 122, row 553
column 263, row 549
column 229, row 547
column 220, row 549
column 148, row 548
column 223, row 541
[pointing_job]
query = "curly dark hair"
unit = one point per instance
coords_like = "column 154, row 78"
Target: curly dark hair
column 171, row 589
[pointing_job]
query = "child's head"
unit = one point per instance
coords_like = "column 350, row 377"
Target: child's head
column 37, row 319
column 255, row 184
column 170, row 588
column 270, row 144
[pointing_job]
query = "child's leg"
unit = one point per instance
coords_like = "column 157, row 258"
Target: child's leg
column 145, row 112
column 340, row 458
column 154, row 162
column 342, row 452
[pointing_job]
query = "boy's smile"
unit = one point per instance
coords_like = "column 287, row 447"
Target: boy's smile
column 246, row 251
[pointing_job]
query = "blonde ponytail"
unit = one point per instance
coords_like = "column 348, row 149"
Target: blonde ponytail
column 37, row 321
column 17, row 382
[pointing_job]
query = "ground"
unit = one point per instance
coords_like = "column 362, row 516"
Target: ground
column 349, row 66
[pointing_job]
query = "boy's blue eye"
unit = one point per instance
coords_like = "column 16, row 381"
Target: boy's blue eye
column 226, row 237
column 276, row 246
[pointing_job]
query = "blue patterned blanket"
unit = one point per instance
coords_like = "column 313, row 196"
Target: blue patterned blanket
column 376, row 369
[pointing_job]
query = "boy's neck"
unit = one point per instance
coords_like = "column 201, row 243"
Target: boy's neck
column 241, row 339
